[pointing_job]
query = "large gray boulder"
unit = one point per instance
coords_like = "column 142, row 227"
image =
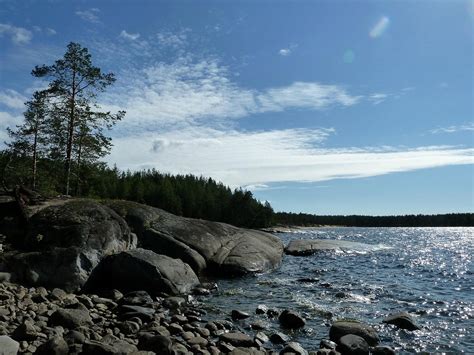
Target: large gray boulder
column 402, row 320
column 204, row 245
column 65, row 242
column 142, row 269
column 351, row 344
column 345, row 327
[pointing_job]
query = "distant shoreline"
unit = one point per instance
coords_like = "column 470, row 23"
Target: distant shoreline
column 293, row 229
column 298, row 220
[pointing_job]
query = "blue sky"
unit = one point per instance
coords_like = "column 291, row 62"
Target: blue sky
column 328, row 107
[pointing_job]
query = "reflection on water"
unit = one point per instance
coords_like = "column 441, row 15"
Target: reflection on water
column 425, row 271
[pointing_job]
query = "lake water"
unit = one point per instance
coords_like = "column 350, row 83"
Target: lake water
column 425, row 271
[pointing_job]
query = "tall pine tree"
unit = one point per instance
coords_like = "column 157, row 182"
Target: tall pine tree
column 74, row 86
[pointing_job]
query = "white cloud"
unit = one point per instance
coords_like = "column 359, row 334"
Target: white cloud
column 377, row 98
column 191, row 91
column 7, row 120
column 129, row 36
column 288, row 50
column 18, row 35
column 309, row 95
column 171, row 39
column 90, row 15
column 258, row 158
column 257, row 187
column 48, row 31
column 454, row 129
column 12, row 99
column 380, row 27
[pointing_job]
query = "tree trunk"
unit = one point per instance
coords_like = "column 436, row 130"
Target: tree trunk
column 79, row 152
column 70, row 138
column 35, row 153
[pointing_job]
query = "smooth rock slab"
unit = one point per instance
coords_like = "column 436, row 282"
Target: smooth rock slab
column 303, row 247
column 341, row 328
column 218, row 248
column 8, row 346
column 142, row 269
column 402, row 320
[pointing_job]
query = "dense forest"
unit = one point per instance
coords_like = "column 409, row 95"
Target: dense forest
column 440, row 220
column 184, row 195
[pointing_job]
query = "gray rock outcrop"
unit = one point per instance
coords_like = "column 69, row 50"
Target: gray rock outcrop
column 215, row 247
column 65, row 242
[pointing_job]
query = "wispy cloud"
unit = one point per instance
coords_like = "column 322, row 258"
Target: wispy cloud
column 380, row 27
column 90, row 15
column 377, row 98
column 47, row 30
column 18, row 35
column 284, row 52
column 12, row 99
column 188, row 90
column 260, row 158
column 454, row 129
column 173, row 39
column 50, row 31
column 129, row 36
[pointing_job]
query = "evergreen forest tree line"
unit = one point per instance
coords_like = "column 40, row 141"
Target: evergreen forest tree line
column 58, row 147
column 438, row 220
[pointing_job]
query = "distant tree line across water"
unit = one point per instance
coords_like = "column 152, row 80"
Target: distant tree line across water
column 439, row 220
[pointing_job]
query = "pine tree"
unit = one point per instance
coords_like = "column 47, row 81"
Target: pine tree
column 29, row 138
column 74, row 85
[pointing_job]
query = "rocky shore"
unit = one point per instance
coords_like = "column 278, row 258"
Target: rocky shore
column 42, row 321
column 116, row 277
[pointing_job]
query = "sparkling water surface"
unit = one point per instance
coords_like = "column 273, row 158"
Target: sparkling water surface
column 425, row 271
